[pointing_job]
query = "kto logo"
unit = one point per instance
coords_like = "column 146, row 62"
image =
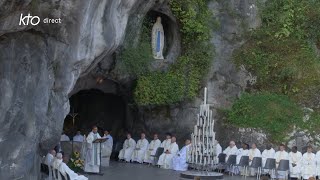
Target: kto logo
column 25, row 20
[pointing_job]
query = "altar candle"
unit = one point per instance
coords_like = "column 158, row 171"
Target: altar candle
column 195, row 129
column 205, row 161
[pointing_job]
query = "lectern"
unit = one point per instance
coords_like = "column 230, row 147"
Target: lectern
column 100, row 140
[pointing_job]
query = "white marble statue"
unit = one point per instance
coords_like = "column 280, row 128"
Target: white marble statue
column 157, row 39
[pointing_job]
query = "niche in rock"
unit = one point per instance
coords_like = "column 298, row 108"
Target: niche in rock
column 171, row 48
column 94, row 107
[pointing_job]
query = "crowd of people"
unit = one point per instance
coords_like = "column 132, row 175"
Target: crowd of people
column 306, row 166
column 303, row 166
column 144, row 152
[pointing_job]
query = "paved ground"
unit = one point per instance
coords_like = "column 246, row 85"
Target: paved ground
column 127, row 171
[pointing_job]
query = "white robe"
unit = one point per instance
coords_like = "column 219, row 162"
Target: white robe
column 128, row 147
column 106, row 150
column 295, row 158
column 165, row 160
column 152, row 149
column 308, row 165
column 318, row 163
column 48, row 159
column 140, row 150
column 92, row 161
column 64, row 169
column 252, row 154
column 166, row 144
column 64, row 138
column 218, row 151
column 179, row 161
column 280, row 155
column 230, row 151
column 241, row 152
column 78, row 138
column 267, row 154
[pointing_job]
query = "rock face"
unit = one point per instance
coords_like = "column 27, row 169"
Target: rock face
column 40, row 66
column 224, row 82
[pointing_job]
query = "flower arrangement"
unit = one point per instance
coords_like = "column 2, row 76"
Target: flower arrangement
column 75, row 163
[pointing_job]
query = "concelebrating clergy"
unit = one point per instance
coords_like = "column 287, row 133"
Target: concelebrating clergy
column 166, row 154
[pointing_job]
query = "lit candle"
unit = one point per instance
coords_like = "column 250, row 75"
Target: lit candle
column 205, row 96
column 195, row 129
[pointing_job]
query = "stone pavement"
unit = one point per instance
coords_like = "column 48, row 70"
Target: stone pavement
column 128, row 171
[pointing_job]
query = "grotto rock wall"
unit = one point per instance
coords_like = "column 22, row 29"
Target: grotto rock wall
column 39, row 66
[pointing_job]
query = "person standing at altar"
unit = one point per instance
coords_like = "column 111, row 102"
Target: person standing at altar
column 231, row 150
column 106, row 148
column 78, row 137
column 295, row 163
column 179, row 161
column 92, row 161
column 128, row 147
column 308, row 164
column 152, row 149
column 165, row 160
column 140, row 150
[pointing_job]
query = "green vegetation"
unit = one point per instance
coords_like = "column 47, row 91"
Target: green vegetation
column 275, row 114
column 281, row 53
column 183, row 79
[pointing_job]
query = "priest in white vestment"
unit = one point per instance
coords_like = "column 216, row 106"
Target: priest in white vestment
column 308, row 164
column 140, row 150
column 318, row 164
column 218, row 151
column 49, row 157
column 78, row 137
column 231, row 150
column 64, row 169
column 269, row 152
column 295, row 163
column 92, row 161
column 128, row 147
column 179, row 161
column 166, row 143
column 165, row 160
column 280, row 155
column 106, row 149
column 253, row 152
column 241, row 152
column 152, row 149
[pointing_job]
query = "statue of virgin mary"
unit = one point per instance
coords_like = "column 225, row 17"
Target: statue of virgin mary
column 157, row 39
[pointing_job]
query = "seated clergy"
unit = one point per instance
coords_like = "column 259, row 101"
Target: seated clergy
column 269, row 152
column 106, row 148
column 179, row 161
column 140, row 150
column 295, row 163
column 64, row 169
column 231, row 150
column 308, row 164
column 78, row 137
column 218, row 151
column 165, row 160
column 152, row 149
column 241, row 152
column 253, row 152
column 49, row 157
column 280, row 155
column 64, row 137
column 166, row 143
column 128, row 147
